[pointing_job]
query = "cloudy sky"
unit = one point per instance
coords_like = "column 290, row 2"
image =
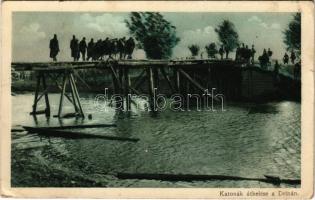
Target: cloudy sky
column 33, row 30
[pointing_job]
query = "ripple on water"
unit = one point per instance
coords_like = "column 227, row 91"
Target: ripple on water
column 246, row 140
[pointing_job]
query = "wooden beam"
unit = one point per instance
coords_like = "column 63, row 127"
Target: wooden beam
column 167, row 78
column 46, row 95
column 73, row 96
column 63, row 90
column 59, row 86
column 195, row 83
column 127, row 88
column 38, row 76
column 139, row 77
column 203, row 177
column 80, row 126
column 76, row 93
column 151, row 88
column 177, row 80
column 75, row 135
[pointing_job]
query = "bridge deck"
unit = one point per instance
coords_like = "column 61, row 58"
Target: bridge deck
column 19, row 66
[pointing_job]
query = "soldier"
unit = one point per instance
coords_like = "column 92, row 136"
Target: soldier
column 54, row 48
column 129, row 47
column 221, row 52
column 121, row 47
column 276, row 68
column 74, row 46
column 286, row 58
column 242, row 52
column 98, row 49
column 237, row 53
column 253, row 51
column 293, row 57
column 90, row 48
column 269, row 53
column 264, row 59
column 247, row 54
column 82, row 48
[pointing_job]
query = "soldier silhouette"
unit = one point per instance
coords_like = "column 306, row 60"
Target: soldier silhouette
column 82, row 48
column 286, row 58
column 247, row 54
column 121, row 47
column 90, row 48
column 129, row 47
column 242, row 52
column 253, row 51
column 54, row 48
column 237, row 53
column 74, row 46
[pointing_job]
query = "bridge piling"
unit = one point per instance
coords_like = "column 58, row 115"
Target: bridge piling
column 41, row 78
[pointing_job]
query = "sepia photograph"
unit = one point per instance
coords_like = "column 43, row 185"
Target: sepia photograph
column 158, row 98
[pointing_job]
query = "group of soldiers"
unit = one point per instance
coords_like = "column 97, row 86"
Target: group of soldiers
column 243, row 53
column 265, row 58
column 286, row 58
column 114, row 48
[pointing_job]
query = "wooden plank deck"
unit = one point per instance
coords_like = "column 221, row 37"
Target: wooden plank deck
column 51, row 66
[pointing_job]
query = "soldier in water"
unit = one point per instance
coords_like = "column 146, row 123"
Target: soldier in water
column 74, row 46
column 54, row 48
column 90, row 48
column 82, row 48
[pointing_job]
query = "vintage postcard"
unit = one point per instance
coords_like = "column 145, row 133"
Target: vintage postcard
column 137, row 99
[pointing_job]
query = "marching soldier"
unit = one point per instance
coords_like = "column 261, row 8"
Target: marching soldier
column 74, row 46
column 90, row 48
column 54, row 48
column 286, row 58
column 82, row 48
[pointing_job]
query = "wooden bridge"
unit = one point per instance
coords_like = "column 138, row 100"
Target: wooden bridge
column 181, row 76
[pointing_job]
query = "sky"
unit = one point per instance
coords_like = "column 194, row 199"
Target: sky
column 32, row 31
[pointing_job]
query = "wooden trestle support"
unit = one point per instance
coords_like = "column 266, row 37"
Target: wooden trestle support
column 67, row 78
column 183, row 80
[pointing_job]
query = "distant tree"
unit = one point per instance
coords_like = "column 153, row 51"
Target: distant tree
column 211, row 50
column 228, row 36
column 194, row 50
column 155, row 35
column 292, row 35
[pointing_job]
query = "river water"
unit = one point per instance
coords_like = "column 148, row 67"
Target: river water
column 248, row 140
